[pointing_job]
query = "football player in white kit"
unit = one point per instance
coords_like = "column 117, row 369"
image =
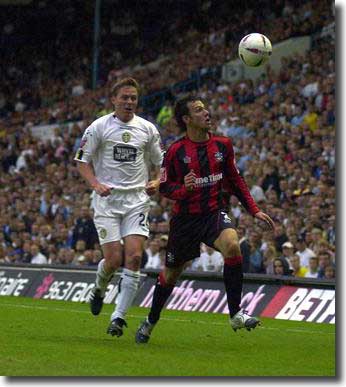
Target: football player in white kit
column 114, row 157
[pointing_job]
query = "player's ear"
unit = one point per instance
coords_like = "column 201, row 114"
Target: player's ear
column 113, row 99
column 186, row 119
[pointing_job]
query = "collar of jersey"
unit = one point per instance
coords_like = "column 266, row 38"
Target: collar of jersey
column 125, row 123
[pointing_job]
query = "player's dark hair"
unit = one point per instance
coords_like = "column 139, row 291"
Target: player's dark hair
column 122, row 83
column 181, row 109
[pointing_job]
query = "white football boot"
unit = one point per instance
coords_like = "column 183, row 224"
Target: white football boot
column 243, row 320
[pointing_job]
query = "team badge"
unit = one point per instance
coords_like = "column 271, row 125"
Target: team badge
column 226, row 218
column 187, row 159
column 103, row 233
column 218, row 156
column 126, row 137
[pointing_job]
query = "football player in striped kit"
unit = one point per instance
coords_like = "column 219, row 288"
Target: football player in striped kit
column 195, row 171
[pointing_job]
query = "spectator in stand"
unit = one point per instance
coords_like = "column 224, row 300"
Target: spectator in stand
column 287, row 252
column 96, row 257
column 281, row 267
column 37, row 256
column 84, row 259
column 304, row 252
column 280, row 236
column 256, row 255
column 235, row 209
column 269, row 255
column 323, row 246
column 211, row 260
column 153, row 253
column 156, row 214
column 62, row 256
column 312, row 268
column 324, row 260
column 26, row 256
column 79, row 252
column 271, row 180
column 317, row 236
column 297, row 269
column 17, row 245
column 8, row 255
column 84, row 229
column 53, row 259
column 163, row 247
column 329, row 272
column 163, row 242
column 255, row 190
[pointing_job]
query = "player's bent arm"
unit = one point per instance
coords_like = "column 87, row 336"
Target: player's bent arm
column 157, row 173
column 153, row 185
column 170, row 184
column 173, row 191
column 237, row 183
column 170, row 188
column 87, row 172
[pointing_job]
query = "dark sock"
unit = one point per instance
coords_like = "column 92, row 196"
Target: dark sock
column 233, row 280
column 161, row 294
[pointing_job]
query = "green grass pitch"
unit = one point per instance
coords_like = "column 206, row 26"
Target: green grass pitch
column 59, row 338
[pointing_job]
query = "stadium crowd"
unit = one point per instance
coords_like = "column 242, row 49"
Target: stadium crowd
column 282, row 126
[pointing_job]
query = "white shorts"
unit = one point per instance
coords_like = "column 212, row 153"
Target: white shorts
column 121, row 214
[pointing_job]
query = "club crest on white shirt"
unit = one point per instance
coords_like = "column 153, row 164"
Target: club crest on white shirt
column 126, row 137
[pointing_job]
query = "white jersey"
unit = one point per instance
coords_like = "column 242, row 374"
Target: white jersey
column 121, row 152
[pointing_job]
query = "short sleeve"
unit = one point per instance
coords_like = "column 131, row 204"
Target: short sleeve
column 88, row 144
column 155, row 147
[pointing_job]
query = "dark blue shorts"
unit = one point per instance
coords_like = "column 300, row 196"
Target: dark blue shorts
column 187, row 232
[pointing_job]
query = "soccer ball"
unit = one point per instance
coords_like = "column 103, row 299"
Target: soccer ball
column 254, row 49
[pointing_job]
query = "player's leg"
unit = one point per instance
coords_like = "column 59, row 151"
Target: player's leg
column 112, row 253
column 227, row 243
column 109, row 237
column 134, row 230
column 163, row 289
column 128, row 282
column 183, row 245
column 164, row 286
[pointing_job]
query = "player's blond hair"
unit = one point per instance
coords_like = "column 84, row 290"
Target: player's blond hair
column 122, row 83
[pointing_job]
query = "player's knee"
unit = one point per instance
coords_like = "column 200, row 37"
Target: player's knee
column 113, row 255
column 170, row 280
column 171, row 276
column 113, row 261
column 133, row 261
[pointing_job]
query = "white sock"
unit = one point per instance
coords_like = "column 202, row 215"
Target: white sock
column 102, row 278
column 128, row 285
